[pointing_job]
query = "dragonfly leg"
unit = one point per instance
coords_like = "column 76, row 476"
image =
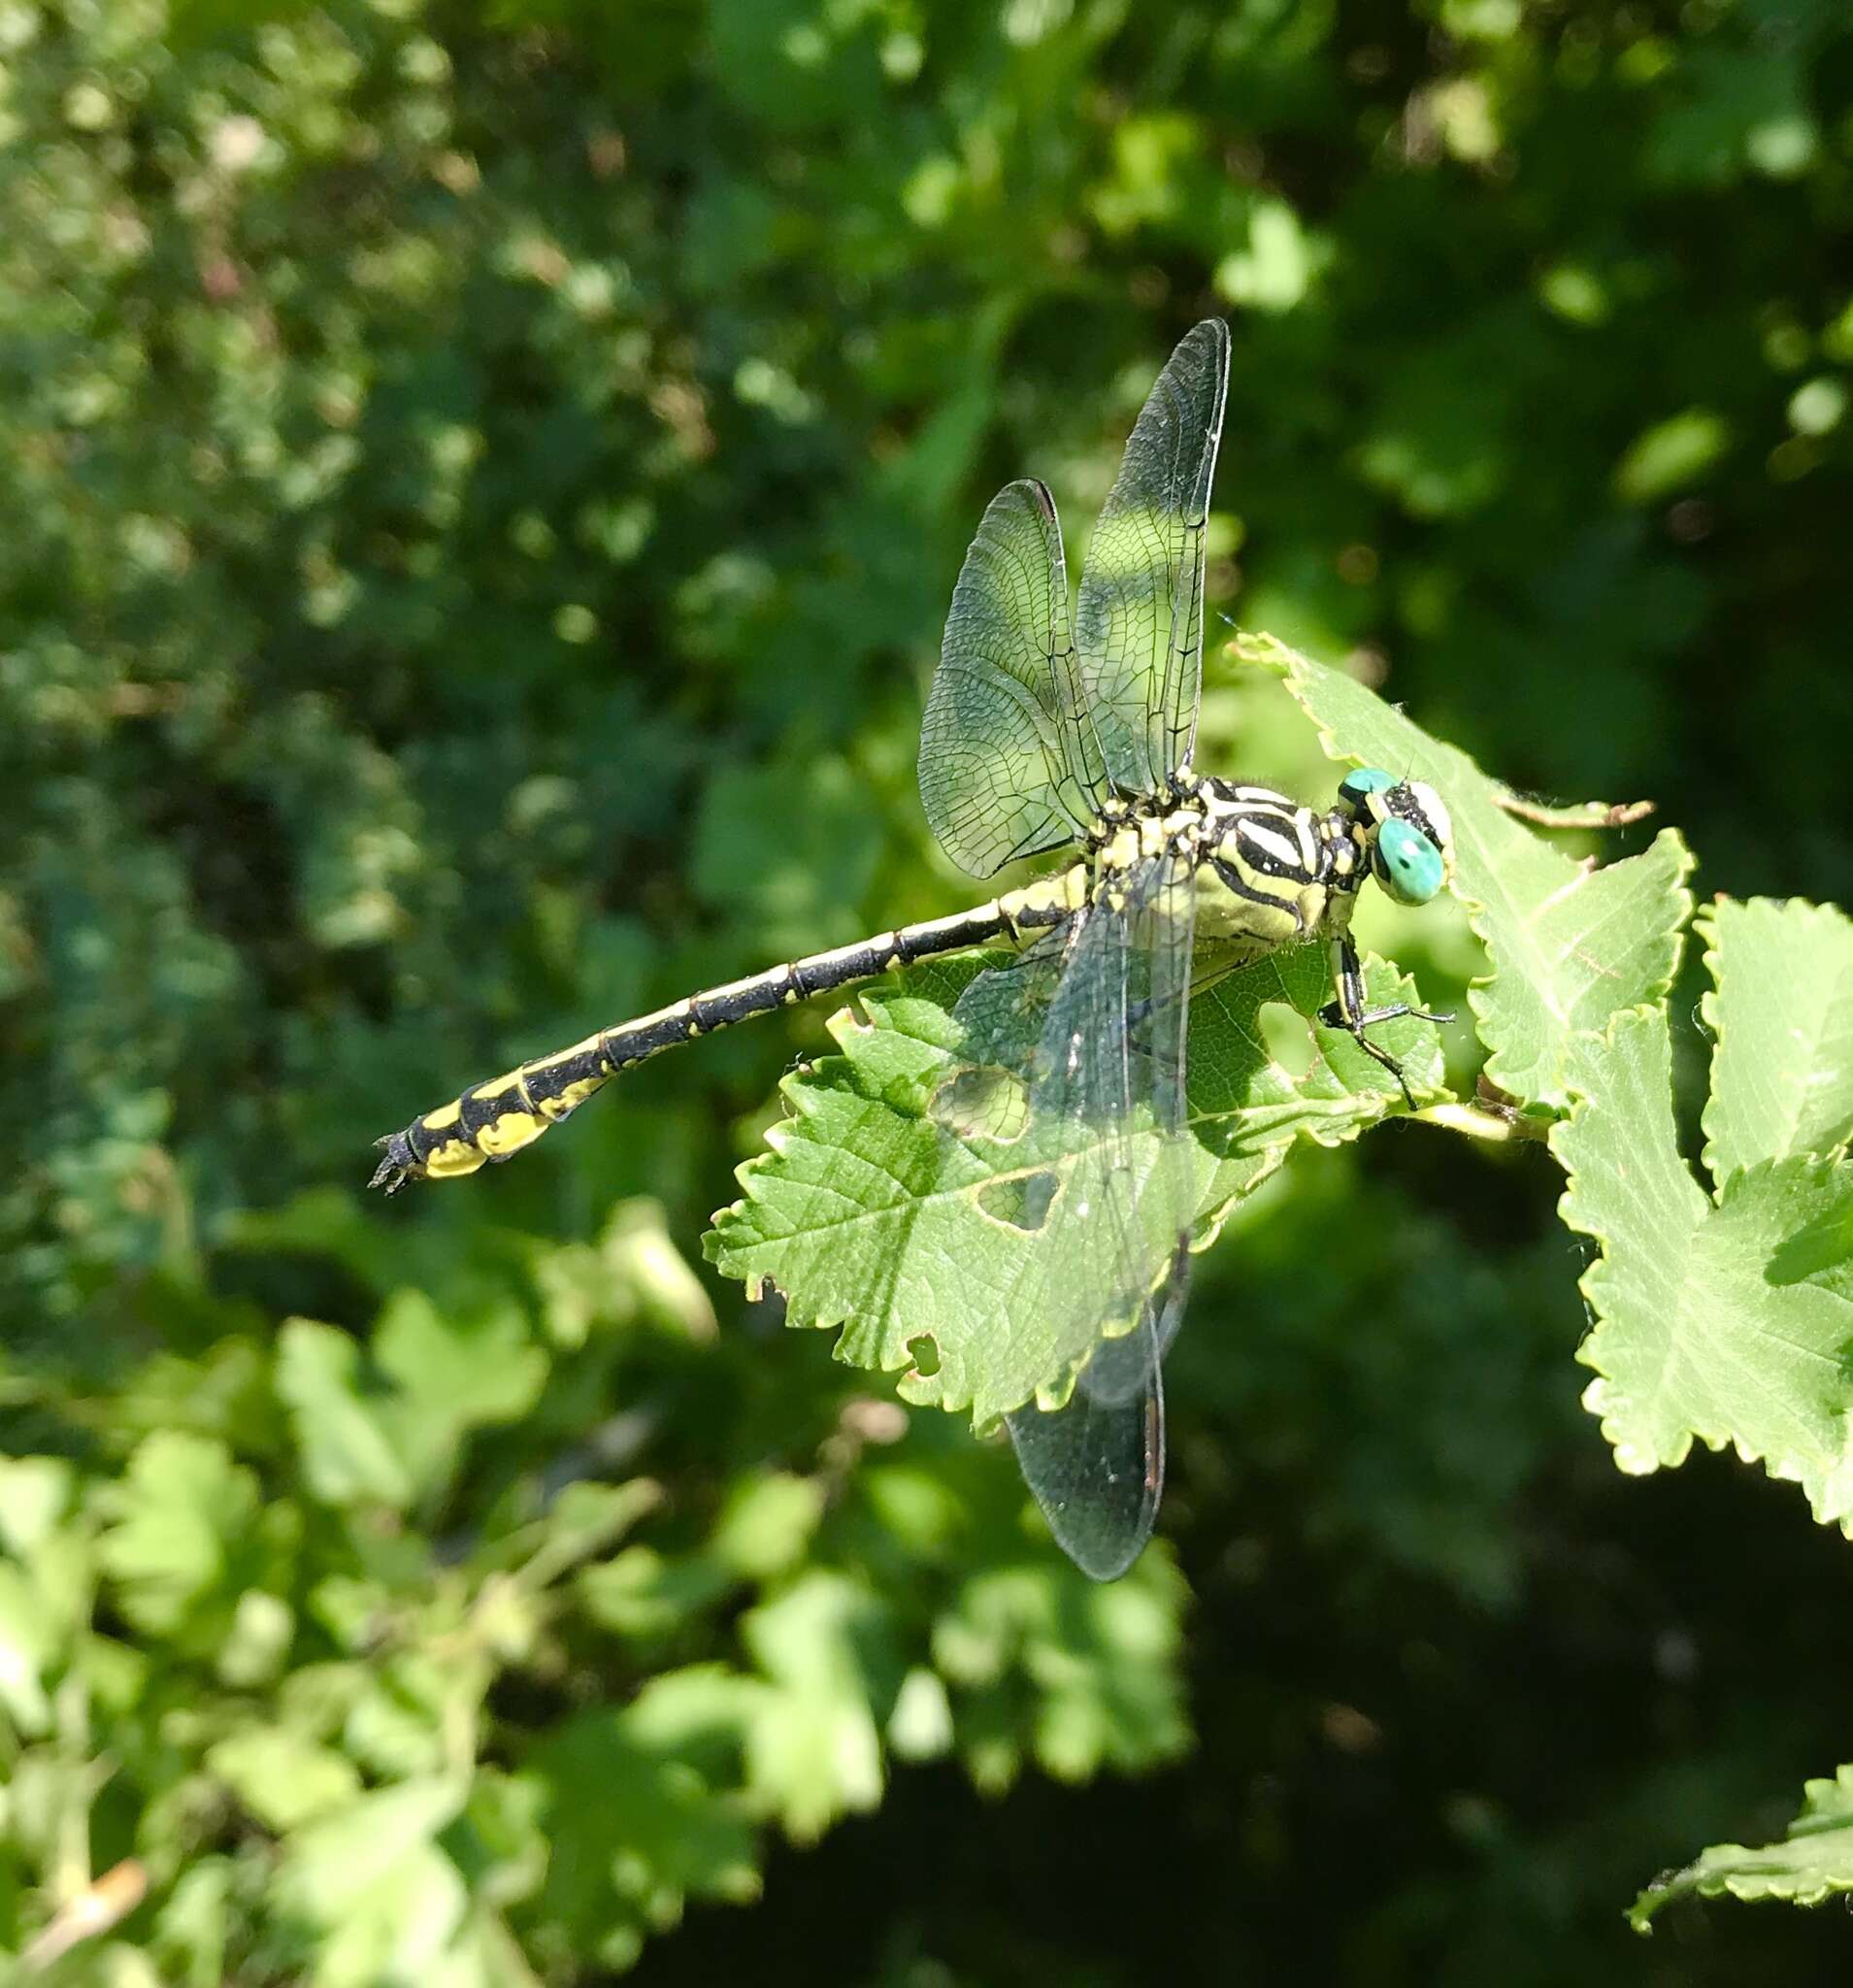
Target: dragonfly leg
column 1139, row 1015
column 1349, row 1014
column 1371, row 1015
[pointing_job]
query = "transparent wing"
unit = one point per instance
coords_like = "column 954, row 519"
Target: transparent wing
column 1140, row 620
column 1097, row 1466
column 1096, row 1020
column 1010, row 765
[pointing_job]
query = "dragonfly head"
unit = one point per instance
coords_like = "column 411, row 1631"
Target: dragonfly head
column 1406, row 830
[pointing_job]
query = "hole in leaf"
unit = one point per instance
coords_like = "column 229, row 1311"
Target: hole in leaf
column 982, row 1101
column 1023, row 1200
column 1288, row 1037
column 925, row 1353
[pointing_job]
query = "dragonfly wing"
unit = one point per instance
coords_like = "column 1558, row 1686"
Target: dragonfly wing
column 1108, row 1068
column 1106, row 1082
column 1139, row 618
column 1009, row 763
column 1119, row 1369
column 1097, row 1467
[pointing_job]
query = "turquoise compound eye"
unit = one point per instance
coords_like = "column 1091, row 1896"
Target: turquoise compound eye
column 1407, row 865
column 1362, row 780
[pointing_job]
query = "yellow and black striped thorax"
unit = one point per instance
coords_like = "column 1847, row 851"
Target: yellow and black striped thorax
column 1274, row 872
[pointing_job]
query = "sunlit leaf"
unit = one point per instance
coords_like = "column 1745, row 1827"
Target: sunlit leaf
column 1813, row 1863
column 347, row 1454
column 183, row 1518
column 1723, row 1321
column 1672, row 453
column 1783, row 1011
column 371, row 1878
column 813, row 1748
column 283, row 1778
column 867, row 1216
column 1569, row 943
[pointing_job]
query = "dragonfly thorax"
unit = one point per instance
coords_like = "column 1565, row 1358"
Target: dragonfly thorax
column 1137, row 831
column 1272, row 871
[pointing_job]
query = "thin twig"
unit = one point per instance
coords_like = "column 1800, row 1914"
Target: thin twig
column 1583, row 815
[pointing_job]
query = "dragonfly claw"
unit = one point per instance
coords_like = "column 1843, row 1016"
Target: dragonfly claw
column 398, row 1167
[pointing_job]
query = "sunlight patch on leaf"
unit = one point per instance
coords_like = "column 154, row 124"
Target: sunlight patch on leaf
column 373, row 1881
column 827, row 1645
column 185, row 1521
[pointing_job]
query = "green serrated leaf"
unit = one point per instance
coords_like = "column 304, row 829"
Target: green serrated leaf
column 371, row 1878
column 633, row 1831
column 282, row 1777
column 349, row 1457
column 387, row 1425
column 1811, row 1863
column 814, row 1746
column 182, row 1513
column 455, row 1376
column 1099, row 1657
column 1782, row 1012
column 1571, row 944
column 1246, row 1109
column 1727, row 1322
column 868, row 1216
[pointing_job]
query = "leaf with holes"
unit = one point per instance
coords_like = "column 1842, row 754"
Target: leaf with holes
column 921, row 1247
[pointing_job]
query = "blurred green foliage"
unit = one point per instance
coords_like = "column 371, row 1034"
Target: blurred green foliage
column 482, row 483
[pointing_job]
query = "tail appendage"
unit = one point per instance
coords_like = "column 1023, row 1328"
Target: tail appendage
column 490, row 1122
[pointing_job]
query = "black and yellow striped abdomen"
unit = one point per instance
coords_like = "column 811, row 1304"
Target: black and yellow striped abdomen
column 492, row 1121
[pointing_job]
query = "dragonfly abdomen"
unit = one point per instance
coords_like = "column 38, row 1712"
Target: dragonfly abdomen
column 492, row 1121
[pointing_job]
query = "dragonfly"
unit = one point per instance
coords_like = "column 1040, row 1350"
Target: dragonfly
column 1057, row 726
